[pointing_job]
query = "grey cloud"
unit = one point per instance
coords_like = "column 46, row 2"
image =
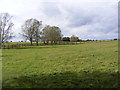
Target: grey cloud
column 86, row 20
column 99, row 19
column 51, row 9
column 79, row 19
column 94, row 17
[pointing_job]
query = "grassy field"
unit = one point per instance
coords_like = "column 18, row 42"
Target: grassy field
column 88, row 65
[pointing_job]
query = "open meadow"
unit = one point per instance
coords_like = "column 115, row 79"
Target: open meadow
column 87, row 65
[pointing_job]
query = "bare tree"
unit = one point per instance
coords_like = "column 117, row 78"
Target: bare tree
column 55, row 34
column 37, row 25
column 45, row 34
column 51, row 33
column 5, row 27
column 31, row 30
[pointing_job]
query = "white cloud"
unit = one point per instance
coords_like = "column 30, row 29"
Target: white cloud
column 95, row 19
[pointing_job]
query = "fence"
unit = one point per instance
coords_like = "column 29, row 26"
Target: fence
column 13, row 46
column 18, row 46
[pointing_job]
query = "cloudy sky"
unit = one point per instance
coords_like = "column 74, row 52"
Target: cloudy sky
column 88, row 19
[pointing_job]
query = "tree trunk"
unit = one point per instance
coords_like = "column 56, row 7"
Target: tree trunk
column 51, row 42
column 54, row 42
column 47, row 42
column 0, row 40
column 37, row 42
column 31, row 41
column 44, row 42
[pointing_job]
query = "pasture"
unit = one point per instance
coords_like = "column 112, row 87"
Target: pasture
column 86, row 65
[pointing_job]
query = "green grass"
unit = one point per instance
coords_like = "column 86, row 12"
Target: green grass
column 89, row 65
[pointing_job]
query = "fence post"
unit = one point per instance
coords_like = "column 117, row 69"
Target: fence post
column 8, row 46
column 12, row 46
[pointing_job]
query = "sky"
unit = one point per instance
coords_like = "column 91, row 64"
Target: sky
column 87, row 19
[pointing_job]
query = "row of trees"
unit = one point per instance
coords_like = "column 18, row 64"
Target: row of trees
column 73, row 38
column 32, row 30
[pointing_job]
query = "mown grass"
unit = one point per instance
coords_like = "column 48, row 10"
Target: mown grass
column 89, row 65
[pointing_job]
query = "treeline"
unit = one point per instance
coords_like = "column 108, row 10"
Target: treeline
column 33, row 30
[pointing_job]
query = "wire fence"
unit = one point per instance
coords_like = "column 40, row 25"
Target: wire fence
column 18, row 46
